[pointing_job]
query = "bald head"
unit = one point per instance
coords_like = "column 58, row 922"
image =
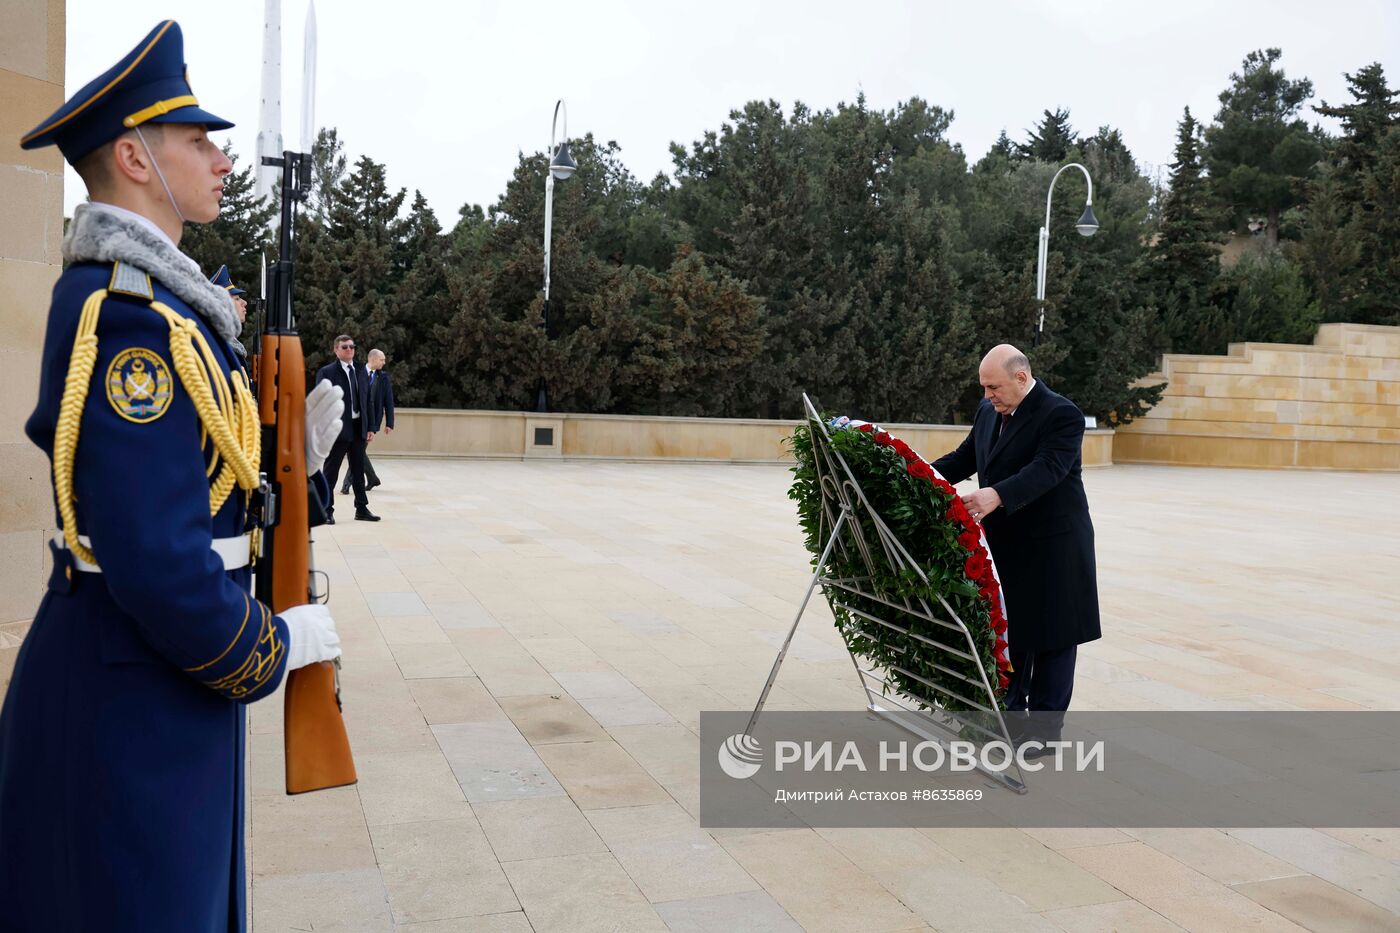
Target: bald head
column 1005, row 375
column 375, row 359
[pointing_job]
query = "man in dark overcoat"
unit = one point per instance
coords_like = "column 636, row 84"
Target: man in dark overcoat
column 355, row 433
column 1025, row 446
column 381, row 409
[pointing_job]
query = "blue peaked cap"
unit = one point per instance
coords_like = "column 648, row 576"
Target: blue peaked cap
column 225, row 281
column 149, row 85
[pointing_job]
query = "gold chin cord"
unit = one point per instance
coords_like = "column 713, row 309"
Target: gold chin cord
column 227, row 412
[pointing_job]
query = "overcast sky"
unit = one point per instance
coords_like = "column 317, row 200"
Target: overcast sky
column 448, row 95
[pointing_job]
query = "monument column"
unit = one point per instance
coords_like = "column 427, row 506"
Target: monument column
column 31, row 203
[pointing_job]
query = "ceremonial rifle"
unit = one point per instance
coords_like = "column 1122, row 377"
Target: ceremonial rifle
column 317, row 747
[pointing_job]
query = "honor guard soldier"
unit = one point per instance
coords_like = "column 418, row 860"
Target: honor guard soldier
column 240, row 308
column 122, row 734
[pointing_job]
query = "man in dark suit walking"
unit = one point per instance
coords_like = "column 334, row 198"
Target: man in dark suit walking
column 1025, row 447
column 381, row 409
column 354, row 432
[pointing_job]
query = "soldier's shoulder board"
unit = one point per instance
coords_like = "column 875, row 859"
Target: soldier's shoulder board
column 129, row 280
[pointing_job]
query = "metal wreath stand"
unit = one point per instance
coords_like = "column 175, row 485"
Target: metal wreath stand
column 843, row 503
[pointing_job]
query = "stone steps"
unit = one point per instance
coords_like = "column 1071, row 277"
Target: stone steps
column 1270, row 405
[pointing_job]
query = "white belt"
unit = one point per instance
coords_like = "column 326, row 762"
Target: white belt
column 234, row 552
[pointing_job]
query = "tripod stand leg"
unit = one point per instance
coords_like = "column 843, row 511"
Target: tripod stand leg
column 811, row 587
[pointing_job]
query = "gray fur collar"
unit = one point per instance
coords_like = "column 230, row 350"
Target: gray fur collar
column 97, row 235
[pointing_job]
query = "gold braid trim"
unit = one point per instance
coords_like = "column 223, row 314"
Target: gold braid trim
column 236, row 403
column 225, row 482
column 70, row 418
column 241, row 452
column 260, row 664
column 231, row 420
column 249, row 428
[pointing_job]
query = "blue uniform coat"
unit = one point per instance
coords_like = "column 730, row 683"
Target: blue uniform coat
column 122, row 734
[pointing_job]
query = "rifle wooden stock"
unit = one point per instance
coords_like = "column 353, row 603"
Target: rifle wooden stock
column 316, row 745
column 282, row 406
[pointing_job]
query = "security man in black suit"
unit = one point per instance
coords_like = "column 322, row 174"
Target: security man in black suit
column 354, row 433
column 381, row 409
column 381, row 393
column 1025, row 447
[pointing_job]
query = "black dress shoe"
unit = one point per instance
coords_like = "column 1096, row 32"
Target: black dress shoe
column 345, row 490
column 372, row 484
column 365, row 515
column 330, row 519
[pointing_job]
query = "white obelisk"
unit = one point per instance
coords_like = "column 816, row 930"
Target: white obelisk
column 308, row 81
column 270, row 114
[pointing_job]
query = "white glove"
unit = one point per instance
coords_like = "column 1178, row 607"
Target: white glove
column 312, row 634
column 324, row 408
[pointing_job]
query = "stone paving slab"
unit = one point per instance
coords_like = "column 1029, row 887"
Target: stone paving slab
column 529, row 646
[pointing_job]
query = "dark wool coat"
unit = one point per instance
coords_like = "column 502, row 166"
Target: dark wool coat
column 1040, row 537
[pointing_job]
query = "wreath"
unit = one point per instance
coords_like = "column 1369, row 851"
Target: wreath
column 925, row 513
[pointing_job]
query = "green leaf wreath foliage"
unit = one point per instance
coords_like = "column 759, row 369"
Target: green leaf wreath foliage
column 925, row 513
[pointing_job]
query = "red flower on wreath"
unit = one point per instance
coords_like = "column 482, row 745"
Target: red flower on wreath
column 920, row 469
column 977, row 567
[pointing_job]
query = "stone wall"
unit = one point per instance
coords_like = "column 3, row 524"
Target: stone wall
column 31, row 231
column 436, row 433
column 1332, row 405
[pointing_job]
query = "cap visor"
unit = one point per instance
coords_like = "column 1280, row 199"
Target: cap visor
column 237, row 291
column 195, row 115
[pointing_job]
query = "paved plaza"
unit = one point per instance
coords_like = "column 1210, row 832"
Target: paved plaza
column 528, row 647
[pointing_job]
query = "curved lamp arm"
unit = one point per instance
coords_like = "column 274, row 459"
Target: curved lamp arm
column 1087, row 180
column 559, row 105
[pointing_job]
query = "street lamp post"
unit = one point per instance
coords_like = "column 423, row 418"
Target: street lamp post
column 1087, row 225
column 561, row 166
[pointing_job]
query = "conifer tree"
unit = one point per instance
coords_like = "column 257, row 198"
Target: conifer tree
column 1329, row 250
column 348, row 268
column 1348, row 246
column 1372, row 111
column 1259, row 151
column 1051, row 140
column 1184, row 262
column 328, row 165
column 1003, row 148
column 1378, row 230
column 420, row 312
